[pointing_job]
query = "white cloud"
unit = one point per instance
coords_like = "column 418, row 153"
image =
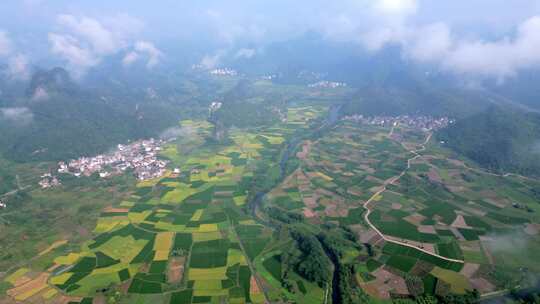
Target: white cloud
column 154, row 55
column 501, row 58
column 84, row 42
column 130, row 58
column 429, row 43
column 143, row 49
column 229, row 30
column 124, row 25
column 396, row 7
column 102, row 41
column 21, row 116
column 212, row 61
column 40, row 94
column 436, row 43
column 17, row 64
column 5, row 44
column 71, row 49
column 18, row 67
column 245, row 53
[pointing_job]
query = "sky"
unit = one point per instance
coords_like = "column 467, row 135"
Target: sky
column 482, row 38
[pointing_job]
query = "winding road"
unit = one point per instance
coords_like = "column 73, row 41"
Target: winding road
column 389, row 182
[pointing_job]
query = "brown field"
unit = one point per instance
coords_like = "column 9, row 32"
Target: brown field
column 306, row 147
column 29, row 288
column 176, row 270
column 459, row 222
column 455, row 189
column 377, row 240
column 532, row 229
column 111, row 209
column 427, row 229
column 253, row 286
column 99, row 299
column 387, row 281
column 310, row 201
column 308, row 213
column 224, row 193
column 469, row 269
column 324, row 192
column 374, row 179
column 415, row 219
column 355, row 191
column 22, row 280
column 62, row 299
column 396, row 206
column 482, row 285
column 421, row 268
column 372, row 289
column 434, row 176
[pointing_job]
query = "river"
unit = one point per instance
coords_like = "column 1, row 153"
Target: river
column 291, row 145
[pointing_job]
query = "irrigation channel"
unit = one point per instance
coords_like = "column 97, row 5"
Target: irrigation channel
column 255, row 204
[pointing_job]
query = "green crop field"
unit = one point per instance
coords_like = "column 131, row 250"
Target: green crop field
column 276, row 212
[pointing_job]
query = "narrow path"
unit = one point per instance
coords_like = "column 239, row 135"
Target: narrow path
column 392, row 131
column 391, row 181
column 251, row 267
column 12, row 192
column 477, row 170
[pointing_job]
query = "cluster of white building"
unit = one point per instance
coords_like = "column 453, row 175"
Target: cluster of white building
column 269, row 77
column 214, row 106
column 327, row 84
column 426, row 123
column 141, row 156
column 223, row 72
column 48, row 181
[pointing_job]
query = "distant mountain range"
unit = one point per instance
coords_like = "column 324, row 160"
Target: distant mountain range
column 52, row 117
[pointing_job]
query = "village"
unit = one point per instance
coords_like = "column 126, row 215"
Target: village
column 327, row 84
column 420, row 122
column 139, row 156
column 223, row 72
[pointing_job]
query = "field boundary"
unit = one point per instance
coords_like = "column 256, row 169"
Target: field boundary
column 391, row 181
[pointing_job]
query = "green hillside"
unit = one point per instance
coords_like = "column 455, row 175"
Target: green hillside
column 500, row 139
column 65, row 121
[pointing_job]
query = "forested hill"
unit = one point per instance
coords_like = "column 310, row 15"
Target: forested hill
column 57, row 120
column 418, row 99
column 500, row 138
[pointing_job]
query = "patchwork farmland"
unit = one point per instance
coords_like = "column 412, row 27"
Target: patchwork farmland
column 182, row 238
column 355, row 212
column 435, row 222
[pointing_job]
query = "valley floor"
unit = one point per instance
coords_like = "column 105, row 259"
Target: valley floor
column 355, row 213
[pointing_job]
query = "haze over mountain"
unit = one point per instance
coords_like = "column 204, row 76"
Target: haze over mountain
column 415, row 56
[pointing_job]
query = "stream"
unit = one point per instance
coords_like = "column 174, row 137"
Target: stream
column 330, row 120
